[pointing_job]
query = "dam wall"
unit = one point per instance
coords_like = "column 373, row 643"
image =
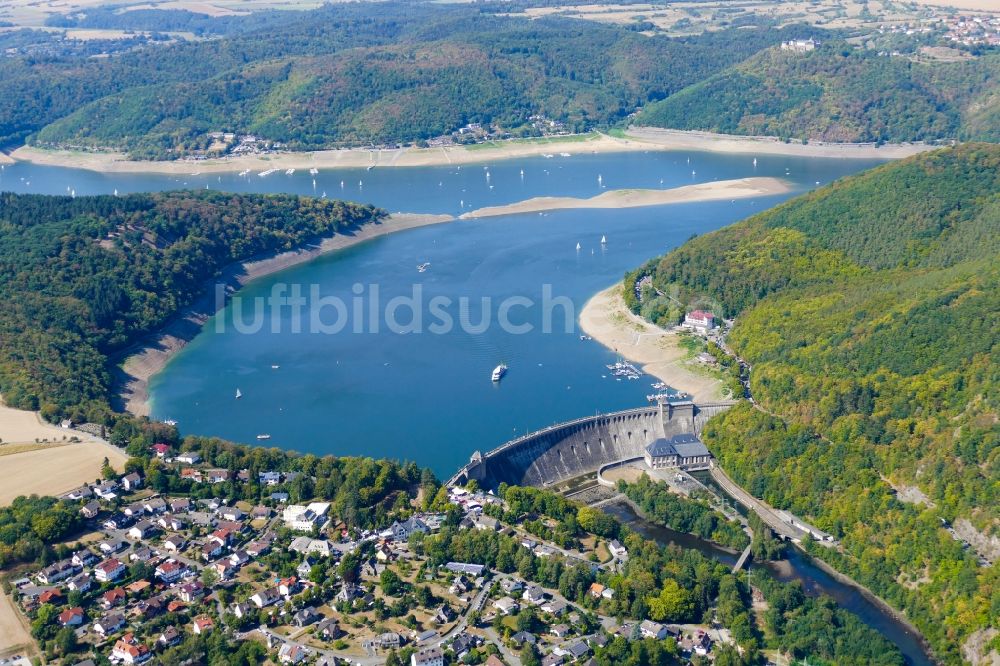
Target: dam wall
column 571, row 449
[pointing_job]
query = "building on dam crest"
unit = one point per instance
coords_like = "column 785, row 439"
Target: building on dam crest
column 684, row 451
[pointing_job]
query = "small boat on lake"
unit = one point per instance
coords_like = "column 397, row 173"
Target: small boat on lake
column 239, row 394
column 499, row 372
column 264, row 436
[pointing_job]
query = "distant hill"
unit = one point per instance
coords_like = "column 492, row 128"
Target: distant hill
column 869, row 311
column 355, row 73
column 840, row 93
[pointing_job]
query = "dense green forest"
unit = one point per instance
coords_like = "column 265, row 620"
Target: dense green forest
column 349, row 74
column 869, row 311
column 840, row 93
column 85, row 277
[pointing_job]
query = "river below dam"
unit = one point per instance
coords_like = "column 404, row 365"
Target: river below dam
column 795, row 567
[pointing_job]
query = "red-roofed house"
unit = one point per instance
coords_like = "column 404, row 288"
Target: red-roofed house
column 112, row 598
column 700, row 320
column 203, row 624
column 160, row 449
column 71, row 617
column 109, row 570
column 130, row 651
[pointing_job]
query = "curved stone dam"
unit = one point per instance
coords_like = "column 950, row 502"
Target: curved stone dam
column 571, row 449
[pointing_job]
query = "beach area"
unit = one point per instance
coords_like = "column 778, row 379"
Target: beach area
column 635, row 198
column 151, row 355
column 635, row 139
column 607, row 320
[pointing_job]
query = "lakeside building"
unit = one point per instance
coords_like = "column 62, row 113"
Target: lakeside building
column 685, row 452
column 699, row 320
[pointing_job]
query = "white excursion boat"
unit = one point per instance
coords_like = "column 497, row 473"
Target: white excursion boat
column 499, row 372
column 264, row 436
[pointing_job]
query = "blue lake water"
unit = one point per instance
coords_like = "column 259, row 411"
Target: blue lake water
column 424, row 396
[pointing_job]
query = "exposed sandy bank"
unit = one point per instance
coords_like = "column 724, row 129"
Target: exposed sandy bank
column 606, row 319
column 637, row 139
column 151, row 355
column 666, row 139
column 725, row 189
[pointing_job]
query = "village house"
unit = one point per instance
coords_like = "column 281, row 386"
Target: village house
column 203, row 624
column 650, row 629
column 142, row 530
column 329, row 629
column 71, row 617
column 428, row 657
column 168, row 637
column 269, row 478
column 191, row 592
column 305, row 617
column 170, row 571
column 80, row 583
column 266, row 597
column 131, row 482
column 109, row 570
column 506, row 606
column 109, row 624
column 174, row 543
column 290, row 653
column 304, row 518
column 534, row 594
column 112, row 598
column 130, row 651
column 155, row 505
column 90, row 509
column 160, row 450
column 56, row 572
column 189, row 457
column 559, row 630
column 617, row 549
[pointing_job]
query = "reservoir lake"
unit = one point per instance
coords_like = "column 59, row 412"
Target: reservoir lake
column 427, row 396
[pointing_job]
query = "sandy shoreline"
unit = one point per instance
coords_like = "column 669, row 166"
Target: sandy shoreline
column 636, row 139
column 131, row 377
column 724, row 189
column 606, row 319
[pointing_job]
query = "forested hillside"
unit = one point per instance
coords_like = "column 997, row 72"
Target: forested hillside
column 353, row 74
column 870, row 313
column 83, row 277
column 840, row 93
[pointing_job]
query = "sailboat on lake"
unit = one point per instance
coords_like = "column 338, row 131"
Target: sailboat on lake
column 239, row 394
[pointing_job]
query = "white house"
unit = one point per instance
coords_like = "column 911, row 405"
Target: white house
column 109, row 570
column 304, row 518
column 700, row 320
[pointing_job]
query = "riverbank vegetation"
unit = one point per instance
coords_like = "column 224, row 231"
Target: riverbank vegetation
column 840, row 93
column 691, row 515
column 86, row 277
column 868, row 311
